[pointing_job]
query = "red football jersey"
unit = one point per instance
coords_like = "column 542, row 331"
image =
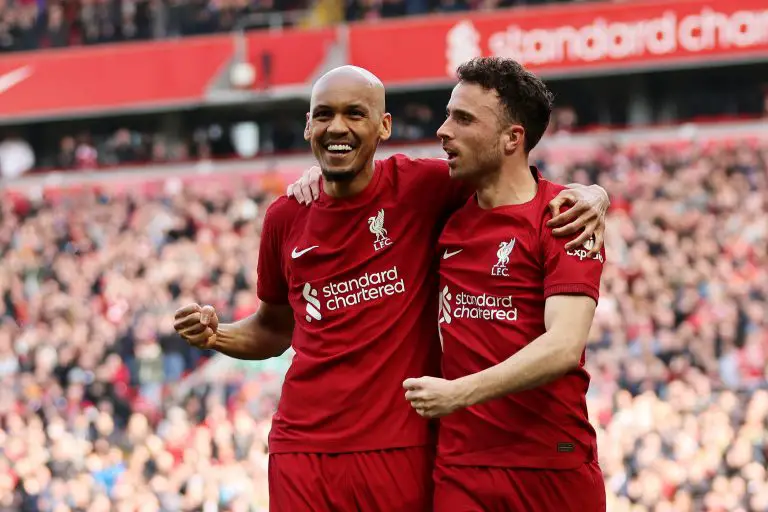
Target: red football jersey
column 361, row 276
column 497, row 268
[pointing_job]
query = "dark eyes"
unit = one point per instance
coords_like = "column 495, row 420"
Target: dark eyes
column 327, row 114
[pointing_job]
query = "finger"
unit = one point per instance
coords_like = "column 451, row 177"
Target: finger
column 187, row 310
column 289, row 190
column 315, row 188
column 567, row 216
column 186, row 322
column 298, row 192
column 572, row 228
column 413, row 383
column 414, row 395
column 582, row 238
column 555, row 205
column 307, row 185
column 206, row 315
column 192, row 331
column 599, row 239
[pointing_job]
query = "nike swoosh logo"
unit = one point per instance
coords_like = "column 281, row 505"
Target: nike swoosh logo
column 295, row 254
column 14, row 78
column 449, row 254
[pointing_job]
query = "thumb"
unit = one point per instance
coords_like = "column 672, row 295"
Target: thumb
column 207, row 314
column 412, row 384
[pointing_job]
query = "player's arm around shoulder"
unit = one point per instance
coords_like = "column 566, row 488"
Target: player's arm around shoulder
column 585, row 215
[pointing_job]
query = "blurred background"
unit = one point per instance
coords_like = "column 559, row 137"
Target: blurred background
column 142, row 140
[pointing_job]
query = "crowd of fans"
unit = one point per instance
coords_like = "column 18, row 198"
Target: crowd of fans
column 88, row 360
column 35, row 24
column 31, row 25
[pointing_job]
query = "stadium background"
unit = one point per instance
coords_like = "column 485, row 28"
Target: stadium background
column 141, row 140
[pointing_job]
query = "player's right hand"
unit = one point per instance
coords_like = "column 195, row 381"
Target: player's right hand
column 307, row 188
column 198, row 325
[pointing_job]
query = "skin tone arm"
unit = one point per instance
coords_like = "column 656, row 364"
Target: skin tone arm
column 266, row 333
column 567, row 318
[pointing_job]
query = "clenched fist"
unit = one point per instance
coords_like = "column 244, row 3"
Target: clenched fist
column 198, row 325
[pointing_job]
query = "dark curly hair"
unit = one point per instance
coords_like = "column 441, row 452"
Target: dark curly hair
column 526, row 98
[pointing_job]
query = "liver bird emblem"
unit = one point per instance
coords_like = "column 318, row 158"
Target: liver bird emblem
column 376, row 225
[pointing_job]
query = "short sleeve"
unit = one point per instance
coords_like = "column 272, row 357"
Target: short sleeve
column 271, row 284
column 570, row 272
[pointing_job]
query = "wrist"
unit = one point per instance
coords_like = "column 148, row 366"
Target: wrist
column 468, row 391
column 218, row 340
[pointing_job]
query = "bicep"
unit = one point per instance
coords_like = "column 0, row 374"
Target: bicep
column 276, row 318
column 571, row 315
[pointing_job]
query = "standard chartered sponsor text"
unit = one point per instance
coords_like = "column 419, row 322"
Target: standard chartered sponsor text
column 602, row 39
column 484, row 307
column 369, row 286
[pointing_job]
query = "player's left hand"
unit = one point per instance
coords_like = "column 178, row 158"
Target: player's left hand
column 433, row 397
column 587, row 213
column 307, row 188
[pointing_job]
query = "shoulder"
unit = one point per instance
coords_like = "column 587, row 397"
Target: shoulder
column 282, row 212
column 417, row 166
column 549, row 191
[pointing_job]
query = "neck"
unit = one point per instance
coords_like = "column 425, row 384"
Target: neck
column 513, row 184
column 341, row 189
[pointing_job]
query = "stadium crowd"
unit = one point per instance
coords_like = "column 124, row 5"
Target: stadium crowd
column 88, row 360
column 30, row 25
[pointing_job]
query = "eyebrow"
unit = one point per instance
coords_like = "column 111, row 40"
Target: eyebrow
column 461, row 111
column 359, row 106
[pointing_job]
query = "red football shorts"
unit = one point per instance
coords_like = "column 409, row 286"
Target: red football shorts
column 493, row 489
column 386, row 481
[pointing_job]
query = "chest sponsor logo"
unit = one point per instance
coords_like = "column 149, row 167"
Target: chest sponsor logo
column 501, row 268
column 352, row 292
column 376, row 227
column 477, row 307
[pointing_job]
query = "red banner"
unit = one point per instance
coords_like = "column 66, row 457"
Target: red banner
column 564, row 38
column 571, row 38
column 143, row 75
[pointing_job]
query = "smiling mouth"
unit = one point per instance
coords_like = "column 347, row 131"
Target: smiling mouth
column 338, row 148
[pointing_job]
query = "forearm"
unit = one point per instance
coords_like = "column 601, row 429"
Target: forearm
column 253, row 338
column 547, row 358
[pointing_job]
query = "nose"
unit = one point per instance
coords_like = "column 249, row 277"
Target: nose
column 444, row 132
column 337, row 126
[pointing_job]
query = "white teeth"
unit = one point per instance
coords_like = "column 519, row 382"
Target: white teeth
column 339, row 147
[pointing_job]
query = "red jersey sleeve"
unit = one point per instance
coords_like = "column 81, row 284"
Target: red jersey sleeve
column 569, row 272
column 271, row 282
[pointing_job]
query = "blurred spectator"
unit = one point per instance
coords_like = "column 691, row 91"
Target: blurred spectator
column 28, row 25
column 16, row 157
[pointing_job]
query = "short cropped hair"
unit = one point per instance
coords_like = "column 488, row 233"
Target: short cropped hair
column 526, row 99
